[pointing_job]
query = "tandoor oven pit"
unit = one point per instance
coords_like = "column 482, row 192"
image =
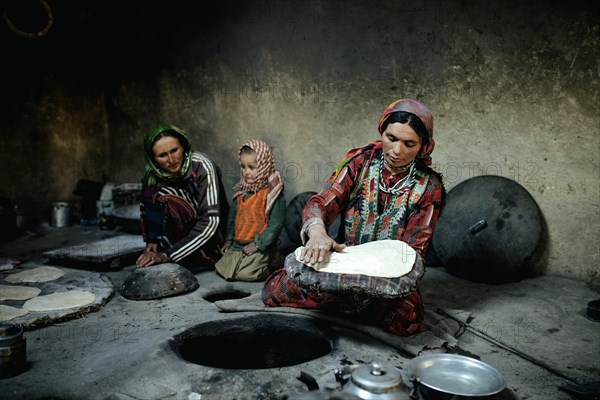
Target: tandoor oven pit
column 225, row 293
column 255, row 342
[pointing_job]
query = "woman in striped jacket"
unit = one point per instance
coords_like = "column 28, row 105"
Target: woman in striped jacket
column 183, row 202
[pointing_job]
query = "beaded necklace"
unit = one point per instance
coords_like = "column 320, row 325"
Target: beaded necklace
column 402, row 185
column 400, row 168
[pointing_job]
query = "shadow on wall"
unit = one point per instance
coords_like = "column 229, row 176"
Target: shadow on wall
column 537, row 264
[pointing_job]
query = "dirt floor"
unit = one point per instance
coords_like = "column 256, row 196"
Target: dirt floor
column 535, row 332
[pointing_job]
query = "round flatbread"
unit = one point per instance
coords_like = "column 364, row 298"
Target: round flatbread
column 60, row 301
column 7, row 312
column 381, row 258
column 9, row 292
column 35, row 275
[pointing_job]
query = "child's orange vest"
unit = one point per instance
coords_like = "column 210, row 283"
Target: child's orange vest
column 250, row 218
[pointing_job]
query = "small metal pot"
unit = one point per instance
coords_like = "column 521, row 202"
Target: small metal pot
column 12, row 350
column 60, row 216
column 375, row 382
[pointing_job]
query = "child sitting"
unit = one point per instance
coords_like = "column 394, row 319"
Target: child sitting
column 256, row 217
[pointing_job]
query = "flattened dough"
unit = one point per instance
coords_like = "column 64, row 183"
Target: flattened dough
column 60, row 301
column 381, row 258
column 35, row 275
column 9, row 292
column 7, row 312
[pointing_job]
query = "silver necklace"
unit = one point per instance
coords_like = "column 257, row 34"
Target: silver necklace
column 400, row 168
column 402, row 185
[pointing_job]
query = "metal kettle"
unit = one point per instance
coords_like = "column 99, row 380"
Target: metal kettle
column 376, row 382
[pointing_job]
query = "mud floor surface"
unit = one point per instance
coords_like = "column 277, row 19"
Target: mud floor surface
column 123, row 350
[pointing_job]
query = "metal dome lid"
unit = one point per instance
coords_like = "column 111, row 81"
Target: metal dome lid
column 488, row 229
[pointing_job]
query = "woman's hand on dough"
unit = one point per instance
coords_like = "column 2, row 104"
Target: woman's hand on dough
column 151, row 258
column 143, row 259
column 318, row 246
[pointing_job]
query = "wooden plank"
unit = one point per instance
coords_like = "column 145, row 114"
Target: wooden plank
column 110, row 253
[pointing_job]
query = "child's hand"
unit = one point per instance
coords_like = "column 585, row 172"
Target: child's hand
column 226, row 246
column 250, row 249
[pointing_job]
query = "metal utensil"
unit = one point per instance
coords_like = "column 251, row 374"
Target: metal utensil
column 455, row 374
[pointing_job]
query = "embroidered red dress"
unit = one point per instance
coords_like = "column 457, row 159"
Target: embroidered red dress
column 368, row 213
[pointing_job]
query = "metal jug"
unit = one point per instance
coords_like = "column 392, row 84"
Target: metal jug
column 376, row 382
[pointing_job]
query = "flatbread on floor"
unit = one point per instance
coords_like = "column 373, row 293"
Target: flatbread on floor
column 381, row 258
column 60, row 301
column 11, row 292
column 36, row 275
column 7, row 312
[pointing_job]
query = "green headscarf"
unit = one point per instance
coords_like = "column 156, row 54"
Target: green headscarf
column 153, row 174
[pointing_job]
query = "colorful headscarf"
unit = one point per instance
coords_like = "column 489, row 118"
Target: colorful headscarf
column 266, row 175
column 153, row 174
column 420, row 110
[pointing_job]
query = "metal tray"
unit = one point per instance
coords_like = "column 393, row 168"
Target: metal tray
column 455, row 374
column 128, row 218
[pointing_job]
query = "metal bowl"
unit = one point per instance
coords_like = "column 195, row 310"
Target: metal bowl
column 455, row 374
column 128, row 218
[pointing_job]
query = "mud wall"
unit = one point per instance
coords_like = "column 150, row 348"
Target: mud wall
column 514, row 87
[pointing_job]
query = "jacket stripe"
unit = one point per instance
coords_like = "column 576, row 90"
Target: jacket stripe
column 212, row 201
